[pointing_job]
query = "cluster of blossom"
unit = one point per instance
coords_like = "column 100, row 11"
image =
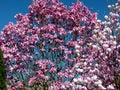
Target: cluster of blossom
column 104, row 71
column 60, row 48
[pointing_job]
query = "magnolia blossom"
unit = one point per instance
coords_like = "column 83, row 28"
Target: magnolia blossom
column 111, row 87
column 106, row 17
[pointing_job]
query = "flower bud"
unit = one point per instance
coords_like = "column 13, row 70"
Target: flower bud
column 109, row 6
column 106, row 17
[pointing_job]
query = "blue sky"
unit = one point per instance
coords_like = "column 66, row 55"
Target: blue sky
column 9, row 8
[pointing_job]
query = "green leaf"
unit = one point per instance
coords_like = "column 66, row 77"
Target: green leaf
column 2, row 73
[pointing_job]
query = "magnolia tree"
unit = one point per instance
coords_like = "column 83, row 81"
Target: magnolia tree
column 104, row 70
column 54, row 47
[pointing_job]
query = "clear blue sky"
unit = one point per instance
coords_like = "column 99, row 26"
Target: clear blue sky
column 9, row 8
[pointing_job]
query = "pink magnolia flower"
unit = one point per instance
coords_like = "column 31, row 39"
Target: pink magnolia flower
column 31, row 80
